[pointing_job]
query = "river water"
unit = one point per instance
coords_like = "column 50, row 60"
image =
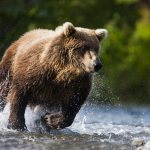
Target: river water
column 95, row 127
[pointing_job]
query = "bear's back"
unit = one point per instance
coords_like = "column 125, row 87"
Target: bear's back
column 34, row 37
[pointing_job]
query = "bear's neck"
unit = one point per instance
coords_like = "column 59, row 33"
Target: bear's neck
column 69, row 74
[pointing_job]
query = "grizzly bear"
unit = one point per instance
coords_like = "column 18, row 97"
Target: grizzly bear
column 50, row 68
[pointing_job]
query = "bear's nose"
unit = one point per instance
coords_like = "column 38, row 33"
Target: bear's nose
column 97, row 65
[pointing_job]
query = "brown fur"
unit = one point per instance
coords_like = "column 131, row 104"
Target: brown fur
column 45, row 68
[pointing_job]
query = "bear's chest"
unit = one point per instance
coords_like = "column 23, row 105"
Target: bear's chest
column 62, row 91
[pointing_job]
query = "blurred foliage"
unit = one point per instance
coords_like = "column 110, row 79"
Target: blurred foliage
column 125, row 53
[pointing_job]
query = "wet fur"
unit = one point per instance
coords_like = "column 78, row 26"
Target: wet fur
column 43, row 68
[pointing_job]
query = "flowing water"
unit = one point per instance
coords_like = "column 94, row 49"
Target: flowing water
column 95, row 127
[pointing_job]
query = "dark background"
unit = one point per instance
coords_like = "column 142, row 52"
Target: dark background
column 125, row 54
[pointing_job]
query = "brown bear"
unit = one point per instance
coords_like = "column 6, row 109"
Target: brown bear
column 50, row 69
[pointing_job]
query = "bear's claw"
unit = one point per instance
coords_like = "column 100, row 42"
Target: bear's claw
column 53, row 121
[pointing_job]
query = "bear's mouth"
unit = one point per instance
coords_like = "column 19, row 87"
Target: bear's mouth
column 87, row 69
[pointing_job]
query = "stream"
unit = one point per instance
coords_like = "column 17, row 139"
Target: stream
column 95, row 127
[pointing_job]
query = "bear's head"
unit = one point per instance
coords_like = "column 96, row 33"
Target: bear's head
column 80, row 46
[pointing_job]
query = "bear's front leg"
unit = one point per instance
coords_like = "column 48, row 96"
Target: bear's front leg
column 59, row 120
column 68, row 113
column 53, row 121
column 17, row 109
column 62, row 119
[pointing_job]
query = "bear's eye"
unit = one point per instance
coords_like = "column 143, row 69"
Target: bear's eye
column 96, row 50
column 83, row 48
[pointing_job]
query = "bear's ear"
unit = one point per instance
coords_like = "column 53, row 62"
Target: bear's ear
column 101, row 34
column 68, row 28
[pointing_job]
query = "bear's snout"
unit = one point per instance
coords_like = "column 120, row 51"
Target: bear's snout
column 97, row 65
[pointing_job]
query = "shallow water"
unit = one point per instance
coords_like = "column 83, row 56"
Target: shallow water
column 95, row 127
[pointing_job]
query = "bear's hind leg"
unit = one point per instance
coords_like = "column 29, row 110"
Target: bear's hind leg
column 18, row 104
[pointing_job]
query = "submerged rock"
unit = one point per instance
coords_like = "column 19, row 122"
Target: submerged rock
column 146, row 146
column 138, row 142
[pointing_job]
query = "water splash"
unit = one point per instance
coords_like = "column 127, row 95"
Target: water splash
column 95, row 120
column 103, row 127
column 4, row 117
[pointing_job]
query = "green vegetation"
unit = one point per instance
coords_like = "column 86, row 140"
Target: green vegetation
column 125, row 54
